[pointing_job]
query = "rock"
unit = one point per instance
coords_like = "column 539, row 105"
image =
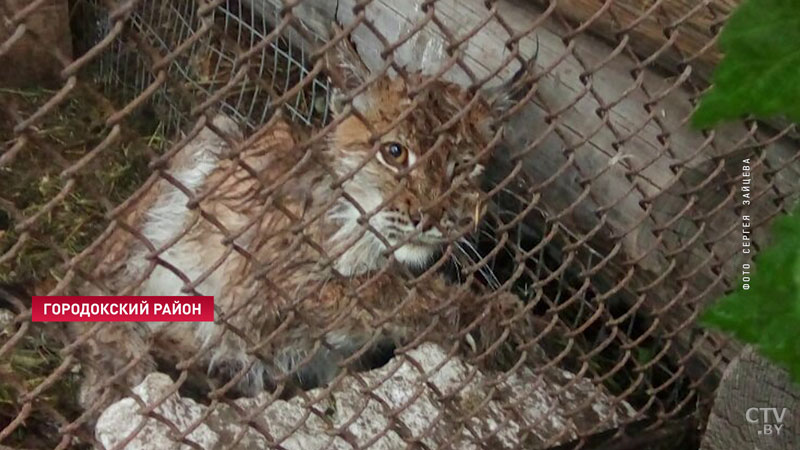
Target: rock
column 388, row 407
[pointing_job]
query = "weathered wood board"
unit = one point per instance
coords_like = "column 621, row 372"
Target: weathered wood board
column 681, row 32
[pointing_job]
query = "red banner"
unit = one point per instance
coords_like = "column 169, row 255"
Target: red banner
column 123, row 309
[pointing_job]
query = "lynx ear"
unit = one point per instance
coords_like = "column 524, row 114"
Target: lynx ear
column 511, row 92
column 344, row 68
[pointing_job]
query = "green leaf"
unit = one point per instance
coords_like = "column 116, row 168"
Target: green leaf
column 760, row 71
column 767, row 314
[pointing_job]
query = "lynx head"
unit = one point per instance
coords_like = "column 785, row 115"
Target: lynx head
column 412, row 153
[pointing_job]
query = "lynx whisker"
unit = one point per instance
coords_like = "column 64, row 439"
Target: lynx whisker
column 468, row 250
column 494, row 240
column 457, row 264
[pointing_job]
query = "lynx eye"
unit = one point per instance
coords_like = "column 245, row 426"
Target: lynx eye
column 394, row 154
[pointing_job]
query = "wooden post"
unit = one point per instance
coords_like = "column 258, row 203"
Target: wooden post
column 751, row 387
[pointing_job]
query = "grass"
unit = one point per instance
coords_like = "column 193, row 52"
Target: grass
column 28, row 365
column 32, row 179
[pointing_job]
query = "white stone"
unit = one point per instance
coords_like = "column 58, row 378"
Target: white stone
column 462, row 419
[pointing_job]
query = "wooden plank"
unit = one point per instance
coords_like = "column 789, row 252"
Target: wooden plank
column 681, row 30
column 676, row 34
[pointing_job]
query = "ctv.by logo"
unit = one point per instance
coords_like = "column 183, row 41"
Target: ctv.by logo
column 772, row 422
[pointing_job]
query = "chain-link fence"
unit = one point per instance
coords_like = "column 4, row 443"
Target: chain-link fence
column 426, row 224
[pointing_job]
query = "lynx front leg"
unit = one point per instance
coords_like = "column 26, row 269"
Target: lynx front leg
column 229, row 360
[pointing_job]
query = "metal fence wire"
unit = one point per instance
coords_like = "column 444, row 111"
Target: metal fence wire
column 409, row 246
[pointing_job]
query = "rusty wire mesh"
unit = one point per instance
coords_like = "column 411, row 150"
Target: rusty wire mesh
column 609, row 225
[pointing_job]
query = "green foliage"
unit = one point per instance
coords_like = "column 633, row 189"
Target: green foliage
column 760, row 71
column 767, row 315
column 759, row 75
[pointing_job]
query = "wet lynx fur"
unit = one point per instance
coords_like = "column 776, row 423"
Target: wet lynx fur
column 304, row 244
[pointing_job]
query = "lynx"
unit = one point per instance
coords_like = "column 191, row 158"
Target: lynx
column 305, row 244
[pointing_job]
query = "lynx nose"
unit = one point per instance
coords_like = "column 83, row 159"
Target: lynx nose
column 424, row 217
column 415, row 219
column 425, row 220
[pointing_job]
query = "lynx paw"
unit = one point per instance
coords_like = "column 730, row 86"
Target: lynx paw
column 250, row 372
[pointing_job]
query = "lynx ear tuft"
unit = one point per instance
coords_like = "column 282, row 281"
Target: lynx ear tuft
column 510, row 93
column 344, row 68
